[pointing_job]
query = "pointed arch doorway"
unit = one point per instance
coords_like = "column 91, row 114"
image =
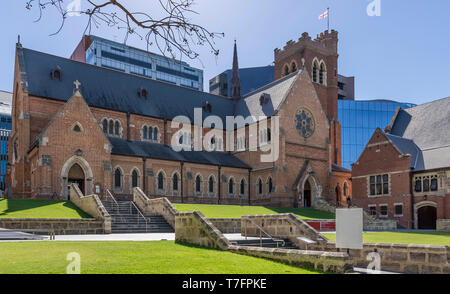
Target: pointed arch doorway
column 76, row 176
column 77, row 171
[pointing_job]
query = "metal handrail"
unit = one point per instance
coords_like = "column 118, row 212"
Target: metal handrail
column 263, row 231
column 132, row 204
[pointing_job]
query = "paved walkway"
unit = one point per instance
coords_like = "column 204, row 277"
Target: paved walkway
column 118, row 237
column 19, row 236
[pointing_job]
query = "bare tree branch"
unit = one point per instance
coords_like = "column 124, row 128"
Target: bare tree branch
column 171, row 33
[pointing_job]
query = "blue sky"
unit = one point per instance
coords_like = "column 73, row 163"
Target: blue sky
column 400, row 55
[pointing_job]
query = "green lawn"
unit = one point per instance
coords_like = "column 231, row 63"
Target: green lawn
column 236, row 211
column 159, row 257
column 420, row 238
column 30, row 208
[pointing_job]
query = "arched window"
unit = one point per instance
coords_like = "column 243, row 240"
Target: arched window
column 198, row 184
column 270, row 185
column 175, row 182
column 211, row 184
column 260, row 186
column 315, row 70
column 242, row 187
column 231, row 186
column 294, row 67
column 322, row 72
column 111, row 127
column 105, row 126
column 134, row 179
column 117, row 128
column 150, row 133
column 144, row 133
column 160, row 181
column 155, row 134
column 117, row 178
column 286, row 70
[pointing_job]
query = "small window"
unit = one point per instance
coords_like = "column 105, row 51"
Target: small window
column 198, row 184
column 418, row 185
column 155, row 134
column 286, row 70
column 294, row 67
column 142, row 93
column 260, row 187
column 383, row 210
column 134, row 179
column 398, row 209
column 231, row 186
column 270, row 185
column 315, row 69
column 373, row 210
column 242, row 187
column 434, row 184
column 160, row 181
column 211, row 185
column 175, row 182
column 56, row 74
column 77, row 128
column 105, row 126
column 426, row 185
column 144, row 132
column 117, row 179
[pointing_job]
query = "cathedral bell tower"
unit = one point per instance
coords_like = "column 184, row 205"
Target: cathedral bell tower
column 320, row 59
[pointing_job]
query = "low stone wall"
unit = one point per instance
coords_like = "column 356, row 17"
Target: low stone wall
column 443, row 225
column 195, row 228
column 402, row 258
column 59, row 226
column 380, row 225
column 92, row 205
column 284, row 226
column 335, row 262
column 158, row 206
column 227, row 225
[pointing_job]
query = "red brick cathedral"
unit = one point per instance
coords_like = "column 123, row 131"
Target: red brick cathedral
column 106, row 130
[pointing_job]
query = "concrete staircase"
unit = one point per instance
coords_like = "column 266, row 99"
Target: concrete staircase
column 126, row 219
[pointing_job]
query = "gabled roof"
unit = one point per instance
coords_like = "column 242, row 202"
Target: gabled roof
column 276, row 91
column 159, row 151
column 406, row 146
column 427, row 127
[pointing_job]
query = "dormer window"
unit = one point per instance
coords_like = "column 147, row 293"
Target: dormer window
column 143, row 93
column 207, row 107
column 56, row 74
column 264, row 99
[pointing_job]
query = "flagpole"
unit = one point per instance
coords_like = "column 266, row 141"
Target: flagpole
column 328, row 18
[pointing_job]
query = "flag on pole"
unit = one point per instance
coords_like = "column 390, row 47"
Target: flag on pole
column 324, row 15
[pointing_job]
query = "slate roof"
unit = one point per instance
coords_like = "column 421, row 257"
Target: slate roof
column 277, row 91
column 159, row 151
column 425, row 128
column 115, row 90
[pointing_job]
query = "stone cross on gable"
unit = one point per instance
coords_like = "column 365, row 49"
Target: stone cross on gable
column 77, row 84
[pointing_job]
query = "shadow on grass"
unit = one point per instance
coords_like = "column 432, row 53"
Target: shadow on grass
column 11, row 206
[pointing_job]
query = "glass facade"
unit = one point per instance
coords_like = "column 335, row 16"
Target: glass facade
column 359, row 119
column 117, row 56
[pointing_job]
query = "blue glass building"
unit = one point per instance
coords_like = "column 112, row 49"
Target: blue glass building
column 5, row 130
column 102, row 52
column 359, row 119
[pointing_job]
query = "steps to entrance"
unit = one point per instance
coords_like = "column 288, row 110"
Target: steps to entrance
column 126, row 219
